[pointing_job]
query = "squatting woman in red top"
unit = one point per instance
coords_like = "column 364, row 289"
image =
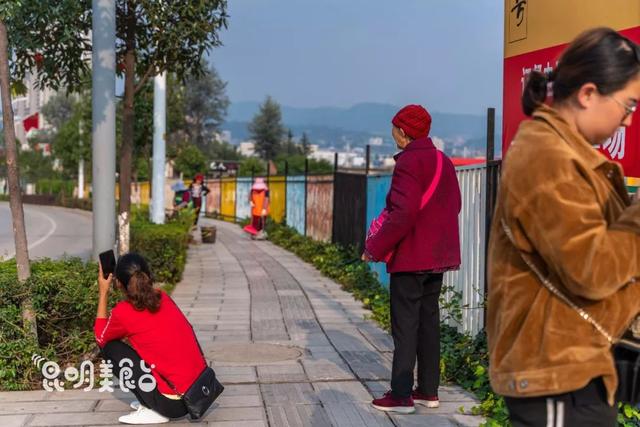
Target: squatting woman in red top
column 157, row 332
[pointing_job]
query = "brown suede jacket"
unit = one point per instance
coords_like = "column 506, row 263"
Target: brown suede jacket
column 568, row 209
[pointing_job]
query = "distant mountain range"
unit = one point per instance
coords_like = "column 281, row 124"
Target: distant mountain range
column 335, row 127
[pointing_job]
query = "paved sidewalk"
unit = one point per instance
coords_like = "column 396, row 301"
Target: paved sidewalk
column 291, row 348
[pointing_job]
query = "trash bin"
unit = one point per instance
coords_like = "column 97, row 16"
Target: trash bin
column 208, row 234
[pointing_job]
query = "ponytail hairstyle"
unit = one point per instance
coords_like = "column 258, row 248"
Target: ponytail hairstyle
column 132, row 271
column 600, row 56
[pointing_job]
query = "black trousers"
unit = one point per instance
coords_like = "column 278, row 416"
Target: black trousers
column 415, row 327
column 586, row 407
column 116, row 351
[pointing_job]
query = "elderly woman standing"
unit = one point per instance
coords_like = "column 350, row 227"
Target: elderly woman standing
column 564, row 218
column 418, row 238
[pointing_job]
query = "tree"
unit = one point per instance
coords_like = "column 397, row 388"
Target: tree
column 305, row 144
column 151, row 37
column 221, row 150
column 190, row 160
column 72, row 139
column 296, row 165
column 59, row 109
column 290, row 147
column 13, row 173
column 252, row 166
column 206, row 104
column 266, row 129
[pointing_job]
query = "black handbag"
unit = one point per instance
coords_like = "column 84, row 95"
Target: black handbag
column 626, row 349
column 204, row 390
column 202, row 393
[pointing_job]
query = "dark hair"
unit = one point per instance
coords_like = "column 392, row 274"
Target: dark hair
column 133, row 272
column 600, row 56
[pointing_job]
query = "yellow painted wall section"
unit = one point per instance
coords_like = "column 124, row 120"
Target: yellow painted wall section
column 139, row 193
column 228, row 189
column 530, row 25
column 277, row 196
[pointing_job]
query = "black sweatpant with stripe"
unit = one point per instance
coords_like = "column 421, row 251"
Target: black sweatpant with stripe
column 586, row 407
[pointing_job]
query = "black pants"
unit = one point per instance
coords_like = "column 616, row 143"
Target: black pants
column 170, row 408
column 197, row 207
column 586, row 407
column 415, row 326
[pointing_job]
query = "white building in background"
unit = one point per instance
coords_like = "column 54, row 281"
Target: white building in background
column 225, row 136
column 439, row 143
column 29, row 104
column 247, row 149
column 388, row 163
column 376, row 141
column 322, row 155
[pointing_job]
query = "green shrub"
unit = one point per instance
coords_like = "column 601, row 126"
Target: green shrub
column 64, row 297
column 163, row 245
column 55, row 186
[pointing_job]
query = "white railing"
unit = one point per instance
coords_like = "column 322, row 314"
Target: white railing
column 469, row 281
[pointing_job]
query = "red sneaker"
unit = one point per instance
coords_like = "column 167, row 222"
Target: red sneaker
column 423, row 399
column 388, row 403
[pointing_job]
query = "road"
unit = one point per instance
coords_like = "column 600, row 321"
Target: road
column 52, row 232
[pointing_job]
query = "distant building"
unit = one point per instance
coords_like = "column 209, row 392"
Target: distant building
column 439, row 143
column 388, row 163
column 322, row 155
column 376, row 141
column 225, row 136
column 247, row 149
column 28, row 107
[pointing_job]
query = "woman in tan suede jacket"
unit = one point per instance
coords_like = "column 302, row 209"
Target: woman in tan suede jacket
column 567, row 209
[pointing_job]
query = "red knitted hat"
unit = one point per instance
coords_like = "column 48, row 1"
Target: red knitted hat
column 414, row 120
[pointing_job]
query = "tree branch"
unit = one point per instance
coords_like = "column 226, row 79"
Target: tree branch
column 144, row 78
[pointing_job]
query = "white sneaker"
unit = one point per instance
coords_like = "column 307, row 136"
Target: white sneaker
column 135, row 405
column 143, row 416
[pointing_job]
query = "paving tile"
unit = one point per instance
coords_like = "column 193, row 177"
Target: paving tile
column 23, row 396
column 414, row 420
column 290, row 393
column 16, row 408
column 321, row 370
column 13, row 420
column 291, row 372
column 340, row 392
column 255, row 413
column 355, row 414
column 297, row 416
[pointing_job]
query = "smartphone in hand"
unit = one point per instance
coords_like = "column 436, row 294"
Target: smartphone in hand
column 108, row 263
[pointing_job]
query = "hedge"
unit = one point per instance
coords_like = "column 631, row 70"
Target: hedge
column 163, row 245
column 64, row 296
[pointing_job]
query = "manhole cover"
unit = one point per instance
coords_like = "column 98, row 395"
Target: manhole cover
column 251, row 353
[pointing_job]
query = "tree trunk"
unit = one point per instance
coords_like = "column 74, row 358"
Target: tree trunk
column 128, row 117
column 13, row 177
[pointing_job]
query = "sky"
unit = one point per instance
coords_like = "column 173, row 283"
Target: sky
column 443, row 54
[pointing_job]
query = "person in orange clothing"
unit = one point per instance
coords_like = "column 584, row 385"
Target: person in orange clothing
column 259, row 200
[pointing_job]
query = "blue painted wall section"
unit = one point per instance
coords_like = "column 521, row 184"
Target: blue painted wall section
column 377, row 189
column 243, row 208
column 296, row 212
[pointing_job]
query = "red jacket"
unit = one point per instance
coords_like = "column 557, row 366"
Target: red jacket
column 164, row 338
column 426, row 239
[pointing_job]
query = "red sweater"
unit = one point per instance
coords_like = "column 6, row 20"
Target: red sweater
column 164, row 338
column 424, row 239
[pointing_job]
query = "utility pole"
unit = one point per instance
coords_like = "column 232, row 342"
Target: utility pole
column 103, row 135
column 159, row 146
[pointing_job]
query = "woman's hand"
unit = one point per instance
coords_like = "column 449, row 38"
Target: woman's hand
column 264, row 212
column 103, row 284
column 365, row 257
